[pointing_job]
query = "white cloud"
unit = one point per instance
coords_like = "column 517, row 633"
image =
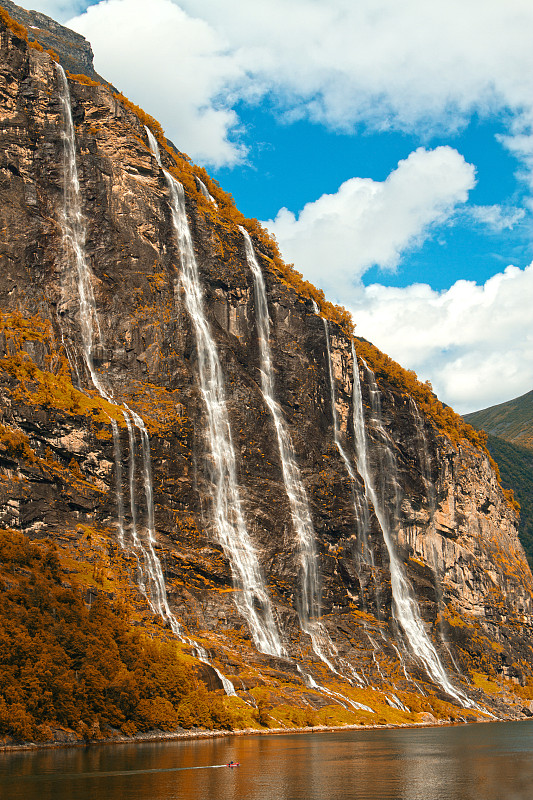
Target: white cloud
column 60, row 10
column 174, row 66
column 408, row 65
column 520, row 143
column 420, row 59
column 338, row 237
column 497, row 218
column 475, row 343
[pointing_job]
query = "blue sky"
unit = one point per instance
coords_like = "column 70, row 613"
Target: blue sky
column 388, row 144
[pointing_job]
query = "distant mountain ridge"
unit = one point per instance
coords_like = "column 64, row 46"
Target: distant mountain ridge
column 516, row 469
column 510, row 442
column 512, row 421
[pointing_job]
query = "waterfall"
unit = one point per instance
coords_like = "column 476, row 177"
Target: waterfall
column 360, row 507
column 309, row 601
column 151, row 580
column 252, row 600
column 117, row 453
column 425, row 467
column 405, row 608
column 204, row 191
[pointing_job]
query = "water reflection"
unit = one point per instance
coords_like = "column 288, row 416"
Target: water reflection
column 475, row 762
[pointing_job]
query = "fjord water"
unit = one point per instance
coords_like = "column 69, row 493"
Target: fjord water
column 470, row 762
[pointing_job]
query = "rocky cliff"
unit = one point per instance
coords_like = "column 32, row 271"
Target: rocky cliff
column 326, row 537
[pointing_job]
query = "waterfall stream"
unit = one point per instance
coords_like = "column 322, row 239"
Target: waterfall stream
column 431, row 555
column 251, row 599
column 405, row 607
column 151, row 580
column 309, row 601
column 360, row 507
column 205, row 191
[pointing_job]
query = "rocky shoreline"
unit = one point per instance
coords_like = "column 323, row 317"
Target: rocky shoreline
column 160, row 736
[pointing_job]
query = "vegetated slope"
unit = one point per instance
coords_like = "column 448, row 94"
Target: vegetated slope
column 516, row 470
column 512, row 421
column 66, row 663
column 67, row 476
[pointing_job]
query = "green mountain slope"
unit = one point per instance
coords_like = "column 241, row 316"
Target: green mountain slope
column 512, row 421
column 516, row 470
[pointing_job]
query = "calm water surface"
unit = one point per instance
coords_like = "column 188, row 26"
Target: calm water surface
column 472, row 762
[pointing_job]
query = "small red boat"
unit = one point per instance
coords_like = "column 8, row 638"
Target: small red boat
column 234, row 764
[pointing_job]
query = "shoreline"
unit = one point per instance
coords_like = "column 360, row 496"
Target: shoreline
column 162, row 736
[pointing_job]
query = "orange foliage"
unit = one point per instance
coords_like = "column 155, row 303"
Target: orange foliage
column 66, row 663
column 14, row 26
column 144, row 118
column 225, row 218
column 83, row 79
column 406, row 380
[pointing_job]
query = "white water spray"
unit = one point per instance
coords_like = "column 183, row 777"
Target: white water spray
column 405, row 608
column 252, row 599
column 309, row 601
column 152, row 582
column 205, row 191
column 360, row 507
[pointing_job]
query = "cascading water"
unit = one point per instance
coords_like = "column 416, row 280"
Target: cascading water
column 150, row 575
column 252, row 599
column 360, row 506
column 117, row 452
column 405, row 608
column 205, row 191
column 152, row 581
column 309, row 601
column 431, row 554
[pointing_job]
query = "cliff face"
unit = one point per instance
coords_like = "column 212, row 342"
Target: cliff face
column 74, row 51
column 418, row 564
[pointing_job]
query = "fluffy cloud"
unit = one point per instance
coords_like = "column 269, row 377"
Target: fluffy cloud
column 60, row 10
column 173, row 65
column 473, row 342
column 520, row 144
column 338, row 237
column 409, row 65
column 497, row 218
column 421, row 61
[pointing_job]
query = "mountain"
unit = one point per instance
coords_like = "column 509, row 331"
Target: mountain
column 516, row 469
column 510, row 442
column 218, row 506
column 71, row 48
column 511, row 421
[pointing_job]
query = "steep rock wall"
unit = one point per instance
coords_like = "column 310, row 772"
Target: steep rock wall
column 454, row 530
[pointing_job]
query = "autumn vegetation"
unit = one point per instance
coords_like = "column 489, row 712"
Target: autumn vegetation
column 14, row 26
column 225, row 219
column 66, row 663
